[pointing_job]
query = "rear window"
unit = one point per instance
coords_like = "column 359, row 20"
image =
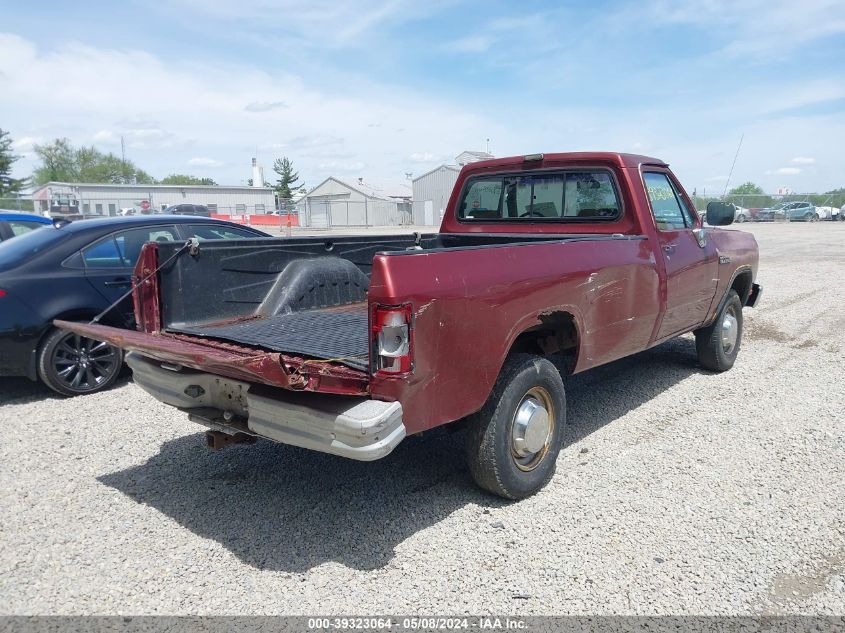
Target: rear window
column 583, row 195
column 22, row 248
column 19, row 227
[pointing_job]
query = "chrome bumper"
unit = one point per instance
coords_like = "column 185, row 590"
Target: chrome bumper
column 353, row 427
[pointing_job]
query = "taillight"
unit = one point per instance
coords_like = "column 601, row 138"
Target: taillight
column 2, row 293
column 392, row 345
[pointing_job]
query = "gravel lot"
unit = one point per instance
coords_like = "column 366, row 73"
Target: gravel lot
column 679, row 492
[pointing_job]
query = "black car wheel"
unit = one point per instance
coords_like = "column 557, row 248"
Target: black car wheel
column 514, row 440
column 72, row 365
column 718, row 344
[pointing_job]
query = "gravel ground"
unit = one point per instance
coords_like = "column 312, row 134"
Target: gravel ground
column 680, row 492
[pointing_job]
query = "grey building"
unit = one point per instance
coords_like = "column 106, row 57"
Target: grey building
column 336, row 203
column 433, row 188
column 466, row 157
column 106, row 199
column 431, row 194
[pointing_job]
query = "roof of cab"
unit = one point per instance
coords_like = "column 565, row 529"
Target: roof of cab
column 618, row 158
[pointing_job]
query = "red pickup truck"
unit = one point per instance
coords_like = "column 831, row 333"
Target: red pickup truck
column 545, row 265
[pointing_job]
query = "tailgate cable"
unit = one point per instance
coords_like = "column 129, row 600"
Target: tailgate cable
column 193, row 244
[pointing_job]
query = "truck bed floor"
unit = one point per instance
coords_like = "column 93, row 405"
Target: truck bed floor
column 330, row 333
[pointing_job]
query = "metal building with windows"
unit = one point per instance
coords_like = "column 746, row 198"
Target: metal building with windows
column 93, row 199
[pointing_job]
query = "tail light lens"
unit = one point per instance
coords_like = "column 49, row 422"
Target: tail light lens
column 2, row 293
column 392, row 345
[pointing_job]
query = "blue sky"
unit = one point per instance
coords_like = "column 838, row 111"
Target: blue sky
column 376, row 89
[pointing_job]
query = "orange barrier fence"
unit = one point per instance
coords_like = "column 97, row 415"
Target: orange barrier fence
column 259, row 220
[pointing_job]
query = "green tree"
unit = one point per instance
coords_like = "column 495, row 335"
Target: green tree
column 58, row 162
column 288, row 178
column 185, row 179
column 61, row 162
column 746, row 189
column 8, row 185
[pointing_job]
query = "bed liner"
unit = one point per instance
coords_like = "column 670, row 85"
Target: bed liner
column 338, row 334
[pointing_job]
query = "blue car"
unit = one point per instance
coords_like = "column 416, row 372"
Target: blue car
column 13, row 223
column 75, row 271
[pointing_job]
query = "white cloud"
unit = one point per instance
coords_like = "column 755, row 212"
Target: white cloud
column 265, row 106
column 204, row 162
column 24, row 147
column 803, row 160
column 106, row 137
column 74, row 90
column 342, row 165
column 759, row 28
column 471, row 44
column 306, row 22
column 784, row 171
column 425, row 157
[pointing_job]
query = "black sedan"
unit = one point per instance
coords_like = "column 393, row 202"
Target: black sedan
column 74, row 271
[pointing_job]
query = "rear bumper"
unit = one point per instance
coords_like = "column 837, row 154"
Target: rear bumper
column 353, row 427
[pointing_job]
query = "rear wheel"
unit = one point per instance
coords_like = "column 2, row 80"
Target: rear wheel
column 740, row 218
column 718, row 344
column 514, row 440
column 72, row 365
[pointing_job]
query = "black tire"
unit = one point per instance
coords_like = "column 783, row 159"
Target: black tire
column 74, row 365
column 740, row 218
column 714, row 353
column 492, row 443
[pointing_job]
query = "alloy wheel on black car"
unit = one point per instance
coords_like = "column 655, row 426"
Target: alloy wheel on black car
column 72, row 364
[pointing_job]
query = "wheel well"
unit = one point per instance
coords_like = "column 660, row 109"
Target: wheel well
column 556, row 336
column 84, row 314
column 742, row 285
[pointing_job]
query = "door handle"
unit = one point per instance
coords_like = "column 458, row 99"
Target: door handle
column 669, row 248
column 117, row 282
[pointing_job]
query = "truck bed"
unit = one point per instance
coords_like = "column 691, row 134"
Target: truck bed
column 338, row 334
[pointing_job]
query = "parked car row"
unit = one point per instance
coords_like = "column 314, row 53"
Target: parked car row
column 75, row 270
column 787, row 211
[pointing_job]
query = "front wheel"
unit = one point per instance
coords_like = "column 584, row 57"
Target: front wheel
column 718, row 344
column 72, row 365
column 740, row 218
column 514, row 440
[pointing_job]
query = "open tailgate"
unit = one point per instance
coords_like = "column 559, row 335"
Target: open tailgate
column 233, row 361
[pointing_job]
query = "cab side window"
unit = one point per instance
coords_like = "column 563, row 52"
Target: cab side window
column 670, row 214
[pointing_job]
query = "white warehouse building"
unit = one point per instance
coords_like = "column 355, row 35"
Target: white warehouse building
column 336, row 203
column 433, row 188
column 108, row 199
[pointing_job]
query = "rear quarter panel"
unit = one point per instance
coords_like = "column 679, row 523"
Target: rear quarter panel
column 469, row 306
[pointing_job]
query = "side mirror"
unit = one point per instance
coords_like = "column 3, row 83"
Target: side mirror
column 720, row 213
